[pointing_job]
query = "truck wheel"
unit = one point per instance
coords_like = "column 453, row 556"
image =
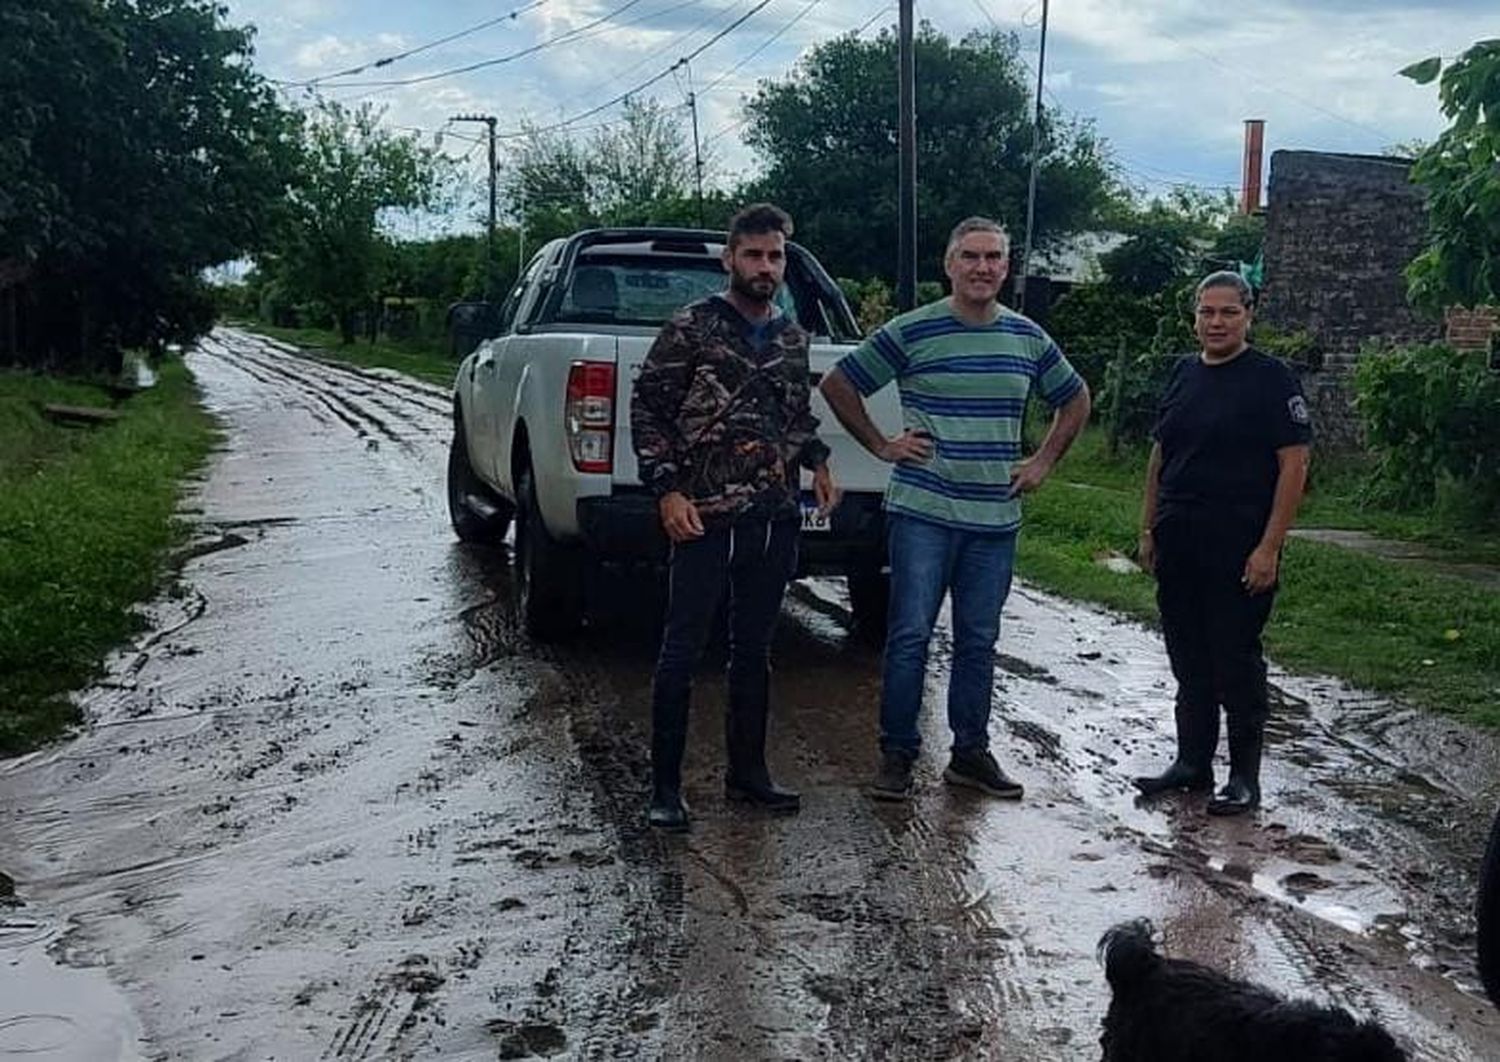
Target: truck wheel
column 869, row 602
column 1487, row 910
column 549, row 574
column 464, row 490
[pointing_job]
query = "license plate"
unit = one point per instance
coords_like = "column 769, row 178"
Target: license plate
column 814, row 521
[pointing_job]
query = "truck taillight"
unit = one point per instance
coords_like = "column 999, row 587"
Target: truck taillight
column 589, row 415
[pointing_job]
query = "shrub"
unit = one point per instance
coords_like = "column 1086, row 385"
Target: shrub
column 1432, row 419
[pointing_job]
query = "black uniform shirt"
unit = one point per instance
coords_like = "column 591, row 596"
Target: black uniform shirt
column 1219, row 427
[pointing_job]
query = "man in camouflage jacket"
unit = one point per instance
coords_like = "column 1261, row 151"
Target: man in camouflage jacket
column 722, row 427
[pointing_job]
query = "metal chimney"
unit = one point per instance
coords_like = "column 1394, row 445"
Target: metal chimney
column 1255, row 142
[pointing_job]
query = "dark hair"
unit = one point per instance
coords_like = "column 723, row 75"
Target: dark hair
column 758, row 219
column 1224, row 278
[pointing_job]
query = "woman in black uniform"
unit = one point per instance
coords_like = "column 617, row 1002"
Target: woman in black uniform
column 1225, row 477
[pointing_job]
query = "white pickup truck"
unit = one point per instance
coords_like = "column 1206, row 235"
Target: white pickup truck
column 541, row 420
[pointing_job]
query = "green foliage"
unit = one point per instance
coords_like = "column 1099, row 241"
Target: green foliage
column 1432, row 419
column 140, row 149
column 828, row 131
column 1090, row 322
column 331, row 247
column 1297, row 348
column 872, row 300
column 85, row 519
column 639, row 171
column 1460, row 172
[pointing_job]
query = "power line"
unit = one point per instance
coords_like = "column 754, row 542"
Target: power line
column 561, row 38
column 807, row 10
column 653, row 79
column 388, row 60
column 652, row 53
column 1277, row 88
column 725, row 130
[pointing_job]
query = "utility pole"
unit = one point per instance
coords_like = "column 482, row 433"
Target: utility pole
column 906, row 264
column 489, row 246
column 697, row 145
column 1036, row 153
column 697, row 154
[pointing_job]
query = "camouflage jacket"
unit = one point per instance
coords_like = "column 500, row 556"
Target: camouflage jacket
column 720, row 421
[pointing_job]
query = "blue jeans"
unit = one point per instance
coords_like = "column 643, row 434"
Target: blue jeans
column 929, row 560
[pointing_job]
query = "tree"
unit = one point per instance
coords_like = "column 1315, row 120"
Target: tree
column 142, row 148
column 642, row 163
column 331, row 246
column 1461, row 173
column 828, row 135
column 1172, row 240
column 637, row 171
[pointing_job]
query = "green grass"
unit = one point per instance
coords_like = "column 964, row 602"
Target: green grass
column 86, row 518
column 1430, row 640
column 424, row 359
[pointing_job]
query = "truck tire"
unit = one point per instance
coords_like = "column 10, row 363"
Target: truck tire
column 469, row 524
column 869, row 602
column 549, row 574
column 1487, row 912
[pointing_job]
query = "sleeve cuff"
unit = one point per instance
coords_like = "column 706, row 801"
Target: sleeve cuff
column 814, row 453
column 663, row 480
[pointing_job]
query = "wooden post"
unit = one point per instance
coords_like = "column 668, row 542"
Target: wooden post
column 1117, row 373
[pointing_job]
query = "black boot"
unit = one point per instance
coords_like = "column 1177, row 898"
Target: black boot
column 748, row 780
column 1197, row 738
column 667, row 811
column 1241, row 794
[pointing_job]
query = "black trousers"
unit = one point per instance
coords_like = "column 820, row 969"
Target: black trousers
column 751, row 560
column 1211, row 624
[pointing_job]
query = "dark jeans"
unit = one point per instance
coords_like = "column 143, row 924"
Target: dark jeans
column 1211, row 624
column 752, row 559
column 929, row 562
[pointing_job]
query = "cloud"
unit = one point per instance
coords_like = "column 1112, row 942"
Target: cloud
column 1168, row 82
column 322, row 52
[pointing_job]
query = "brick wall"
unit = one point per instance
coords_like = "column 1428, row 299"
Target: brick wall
column 1340, row 230
column 1471, row 329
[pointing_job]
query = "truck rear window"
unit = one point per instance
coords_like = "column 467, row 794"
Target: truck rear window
column 641, row 290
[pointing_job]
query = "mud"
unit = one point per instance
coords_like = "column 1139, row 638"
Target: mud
column 335, row 805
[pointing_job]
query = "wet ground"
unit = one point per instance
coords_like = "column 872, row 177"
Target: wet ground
column 335, row 806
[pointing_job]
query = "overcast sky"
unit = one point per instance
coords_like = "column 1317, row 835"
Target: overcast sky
column 1167, row 82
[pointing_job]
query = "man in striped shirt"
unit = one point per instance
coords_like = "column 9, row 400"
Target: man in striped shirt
column 965, row 366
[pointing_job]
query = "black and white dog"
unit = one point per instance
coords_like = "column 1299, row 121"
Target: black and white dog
column 1172, row 1010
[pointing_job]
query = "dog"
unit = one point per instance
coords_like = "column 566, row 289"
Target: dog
column 1172, row 1010
column 1487, row 915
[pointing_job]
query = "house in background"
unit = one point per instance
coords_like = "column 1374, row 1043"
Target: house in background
column 1340, row 231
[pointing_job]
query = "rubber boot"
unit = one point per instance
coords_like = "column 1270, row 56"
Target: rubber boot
column 1241, row 794
column 748, row 779
column 1197, row 738
column 667, row 811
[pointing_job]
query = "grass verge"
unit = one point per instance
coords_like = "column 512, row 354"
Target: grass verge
column 424, row 360
column 1431, row 640
column 86, row 518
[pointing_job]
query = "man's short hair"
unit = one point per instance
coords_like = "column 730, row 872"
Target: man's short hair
column 1225, row 278
column 977, row 224
column 757, row 219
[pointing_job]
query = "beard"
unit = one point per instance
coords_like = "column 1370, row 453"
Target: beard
column 751, row 286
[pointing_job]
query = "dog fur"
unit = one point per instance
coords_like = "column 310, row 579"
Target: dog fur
column 1172, row 1010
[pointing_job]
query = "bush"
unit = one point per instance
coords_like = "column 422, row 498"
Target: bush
column 1089, row 322
column 1432, row 419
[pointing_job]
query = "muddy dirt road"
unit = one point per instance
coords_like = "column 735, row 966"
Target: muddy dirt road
column 335, row 806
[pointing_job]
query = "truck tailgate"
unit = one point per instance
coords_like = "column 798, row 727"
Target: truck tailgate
column 854, row 467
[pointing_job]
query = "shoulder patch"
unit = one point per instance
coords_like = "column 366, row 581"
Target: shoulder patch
column 1296, row 408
